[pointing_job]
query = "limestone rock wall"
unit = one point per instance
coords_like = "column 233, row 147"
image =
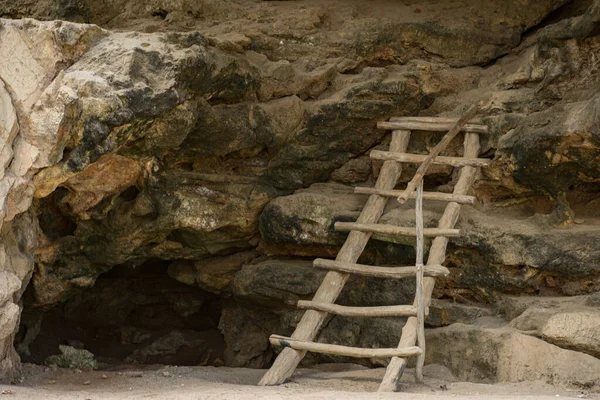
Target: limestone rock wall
column 33, row 107
column 222, row 139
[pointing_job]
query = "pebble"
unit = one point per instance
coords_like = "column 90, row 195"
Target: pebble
column 87, row 383
column 166, row 374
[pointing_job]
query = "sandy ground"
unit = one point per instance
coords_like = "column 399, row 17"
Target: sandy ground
column 329, row 381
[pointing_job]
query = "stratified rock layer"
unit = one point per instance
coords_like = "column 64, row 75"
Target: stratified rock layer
column 219, row 140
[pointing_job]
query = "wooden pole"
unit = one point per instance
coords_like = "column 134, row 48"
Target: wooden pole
column 421, row 158
column 437, row 120
column 379, row 272
column 342, row 350
column 419, row 291
column 439, row 196
column 437, row 126
column 438, row 148
column 437, row 254
column 393, row 229
column 377, row 311
column 332, row 285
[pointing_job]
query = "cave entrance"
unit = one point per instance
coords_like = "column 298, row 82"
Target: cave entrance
column 131, row 315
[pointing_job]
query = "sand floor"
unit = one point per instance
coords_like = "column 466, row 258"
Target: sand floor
column 329, row 381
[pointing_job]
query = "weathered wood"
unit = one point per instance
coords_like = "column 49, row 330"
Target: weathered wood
column 393, row 229
column 379, row 272
column 447, row 120
column 347, row 351
column 437, row 149
column 439, row 196
column 380, row 311
column 332, row 285
column 437, row 254
column 420, row 158
column 419, row 300
column 431, row 126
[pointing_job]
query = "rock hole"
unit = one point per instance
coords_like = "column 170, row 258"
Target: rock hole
column 54, row 221
column 132, row 315
column 160, row 13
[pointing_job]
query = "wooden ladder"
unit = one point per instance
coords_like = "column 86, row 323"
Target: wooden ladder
column 412, row 341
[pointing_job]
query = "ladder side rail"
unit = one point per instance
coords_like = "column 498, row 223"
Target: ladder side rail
column 420, row 300
column 307, row 329
column 437, row 254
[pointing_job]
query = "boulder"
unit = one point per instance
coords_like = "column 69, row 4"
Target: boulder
column 211, row 274
column 576, row 330
column 568, row 322
column 73, row 358
column 281, row 283
column 307, row 217
column 481, row 354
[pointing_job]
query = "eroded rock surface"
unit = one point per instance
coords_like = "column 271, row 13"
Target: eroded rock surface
column 571, row 323
column 504, row 355
column 220, row 140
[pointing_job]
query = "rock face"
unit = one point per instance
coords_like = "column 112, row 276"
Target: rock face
column 576, row 330
column 569, row 324
column 32, row 109
column 495, row 253
column 502, row 355
column 218, row 142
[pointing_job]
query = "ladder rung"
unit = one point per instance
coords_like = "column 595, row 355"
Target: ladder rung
column 457, row 198
column 427, row 124
column 379, row 272
column 343, row 350
column 418, row 158
column 393, row 229
column 380, row 311
column 447, row 120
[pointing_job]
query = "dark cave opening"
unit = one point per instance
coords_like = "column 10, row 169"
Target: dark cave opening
column 131, row 315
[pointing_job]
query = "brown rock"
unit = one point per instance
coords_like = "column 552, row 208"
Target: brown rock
column 577, row 330
column 212, row 274
column 110, row 175
column 482, row 354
